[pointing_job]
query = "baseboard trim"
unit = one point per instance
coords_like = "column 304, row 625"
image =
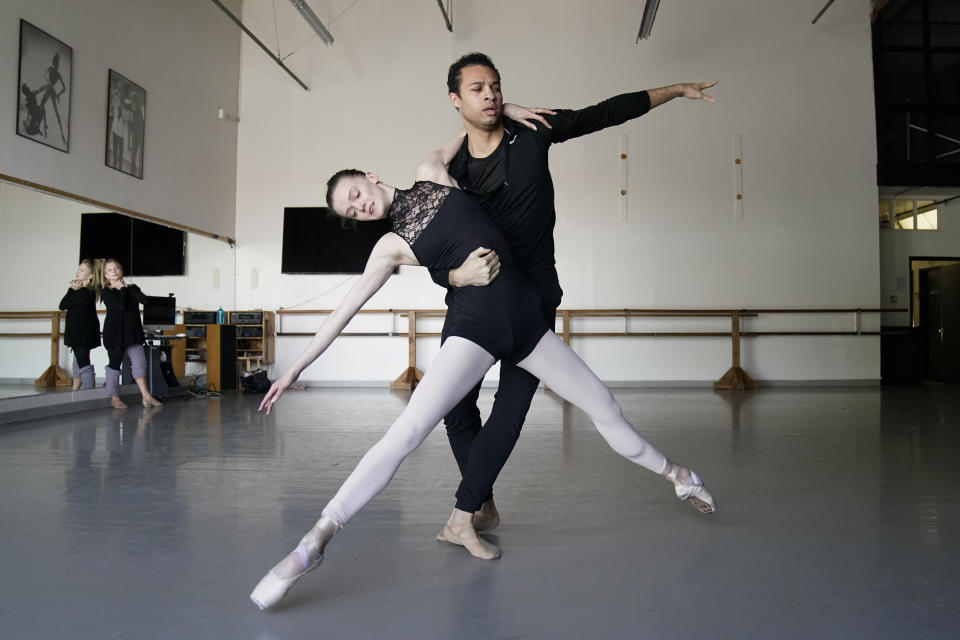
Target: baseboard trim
column 42, row 405
column 624, row 384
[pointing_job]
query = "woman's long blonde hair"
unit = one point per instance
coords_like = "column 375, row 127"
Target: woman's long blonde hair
column 94, row 284
column 98, row 273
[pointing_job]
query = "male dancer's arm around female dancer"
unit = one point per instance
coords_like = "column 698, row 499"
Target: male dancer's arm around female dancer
column 436, row 225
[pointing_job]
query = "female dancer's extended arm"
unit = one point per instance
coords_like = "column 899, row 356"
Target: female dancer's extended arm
column 434, row 166
column 389, row 252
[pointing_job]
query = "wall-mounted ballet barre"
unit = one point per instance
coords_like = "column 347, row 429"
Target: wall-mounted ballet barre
column 54, row 375
column 734, row 379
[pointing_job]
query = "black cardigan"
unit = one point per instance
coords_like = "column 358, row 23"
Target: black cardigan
column 122, row 326
column 82, row 329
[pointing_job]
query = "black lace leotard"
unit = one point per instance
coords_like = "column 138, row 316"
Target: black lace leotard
column 443, row 226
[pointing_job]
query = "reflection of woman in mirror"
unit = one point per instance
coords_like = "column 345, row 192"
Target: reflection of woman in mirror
column 82, row 331
column 123, row 333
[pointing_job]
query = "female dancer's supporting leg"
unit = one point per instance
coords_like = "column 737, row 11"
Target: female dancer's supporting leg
column 566, row 374
column 458, row 366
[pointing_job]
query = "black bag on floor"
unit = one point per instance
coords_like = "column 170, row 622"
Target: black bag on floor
column 255, row 382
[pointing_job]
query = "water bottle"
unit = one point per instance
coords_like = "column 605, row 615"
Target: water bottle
column 220, row 315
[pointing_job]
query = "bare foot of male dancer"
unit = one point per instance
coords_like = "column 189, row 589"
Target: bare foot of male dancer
column 459, row 530
column 486, row 518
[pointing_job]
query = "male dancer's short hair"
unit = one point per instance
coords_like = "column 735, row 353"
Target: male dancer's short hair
column 467, row 60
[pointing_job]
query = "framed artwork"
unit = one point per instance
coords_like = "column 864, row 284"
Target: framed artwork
column 126, row 124
column 44, row 86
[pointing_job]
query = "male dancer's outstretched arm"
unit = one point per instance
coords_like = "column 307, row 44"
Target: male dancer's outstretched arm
column 481, row 267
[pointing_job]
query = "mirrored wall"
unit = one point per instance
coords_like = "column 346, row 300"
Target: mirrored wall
column 39, row 253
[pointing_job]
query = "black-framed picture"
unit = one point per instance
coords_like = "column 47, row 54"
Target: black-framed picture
column 44, row 85
column 126, row 124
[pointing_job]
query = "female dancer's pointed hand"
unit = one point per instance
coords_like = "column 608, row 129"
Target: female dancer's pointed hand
column 276, row 390
column 524, row 115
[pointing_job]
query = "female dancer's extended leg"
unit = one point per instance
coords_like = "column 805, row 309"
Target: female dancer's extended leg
column 459, row 365
column 565, row 373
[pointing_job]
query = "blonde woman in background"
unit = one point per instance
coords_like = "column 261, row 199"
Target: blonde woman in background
column 123, row 333
column 82, row 330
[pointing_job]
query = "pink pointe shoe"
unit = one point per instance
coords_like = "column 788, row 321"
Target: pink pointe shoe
column 691, row 488
column 305, row 558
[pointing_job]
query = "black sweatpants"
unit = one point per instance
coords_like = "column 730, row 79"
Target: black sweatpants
column 82, row 354
column 481, row 450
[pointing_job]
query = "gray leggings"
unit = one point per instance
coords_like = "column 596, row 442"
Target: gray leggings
column 138, row 366
column 82, row 368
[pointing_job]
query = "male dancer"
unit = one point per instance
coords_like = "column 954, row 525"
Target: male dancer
column 504, row 167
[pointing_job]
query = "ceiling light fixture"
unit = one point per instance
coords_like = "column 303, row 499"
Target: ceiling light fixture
column 649, row 14
column 312, row 20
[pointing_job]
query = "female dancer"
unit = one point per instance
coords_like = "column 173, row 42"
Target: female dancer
column 123, row 333
column 82, row 331
column 436, row 225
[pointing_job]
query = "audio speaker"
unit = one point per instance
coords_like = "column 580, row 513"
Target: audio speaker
column 221, row 357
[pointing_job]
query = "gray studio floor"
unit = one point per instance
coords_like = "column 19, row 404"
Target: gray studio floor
column 838, row 519
column 19, row 389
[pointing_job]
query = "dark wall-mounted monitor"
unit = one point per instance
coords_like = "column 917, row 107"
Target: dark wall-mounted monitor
column 106, row 235
column 143, row 248
column 315, row 242
column 157, row 250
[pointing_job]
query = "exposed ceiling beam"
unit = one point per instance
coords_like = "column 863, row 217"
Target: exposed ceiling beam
column 447, row 13
column 236, row 20
column 822, row 11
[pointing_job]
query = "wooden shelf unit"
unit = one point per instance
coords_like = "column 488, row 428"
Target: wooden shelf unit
column 178, row 351
column 195, row 347
column 255, row 349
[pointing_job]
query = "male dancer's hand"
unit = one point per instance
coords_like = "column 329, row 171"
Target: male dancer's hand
column 691, row 90
column 480, row 268
column 694, row 90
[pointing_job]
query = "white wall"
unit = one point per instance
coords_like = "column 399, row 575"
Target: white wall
column 185, row 54
column 799, row 95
